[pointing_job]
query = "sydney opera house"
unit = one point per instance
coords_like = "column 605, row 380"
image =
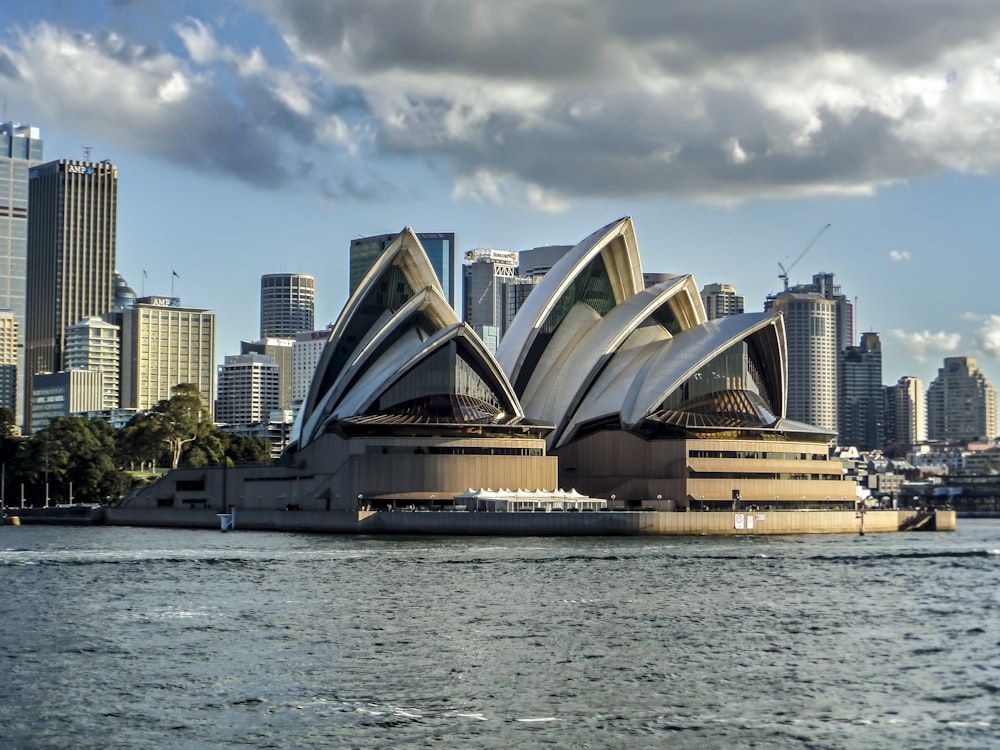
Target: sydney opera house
column 601, row 387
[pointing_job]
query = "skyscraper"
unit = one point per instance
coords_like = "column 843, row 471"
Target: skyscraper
column 71, row 256
column 306, row 351
column 819, row 325
column 280, row 352
column 811, row 333
column 439, row 246
column 20, row 149
column 490, row 283
column 961, row 403
column 287, row 304
column 862, row 401
column 906, row 413
column 165, row 345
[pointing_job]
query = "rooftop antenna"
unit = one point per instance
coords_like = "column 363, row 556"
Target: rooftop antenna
column 86, row 152
column 784, row 271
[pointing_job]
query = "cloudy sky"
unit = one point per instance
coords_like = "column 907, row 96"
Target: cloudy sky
column 262, row 135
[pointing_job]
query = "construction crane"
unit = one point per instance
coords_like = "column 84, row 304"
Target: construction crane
column 784, row 271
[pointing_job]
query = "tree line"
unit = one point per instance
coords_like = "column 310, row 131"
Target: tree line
column 80, row 460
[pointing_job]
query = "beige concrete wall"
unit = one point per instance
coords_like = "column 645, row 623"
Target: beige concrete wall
column 624, row 464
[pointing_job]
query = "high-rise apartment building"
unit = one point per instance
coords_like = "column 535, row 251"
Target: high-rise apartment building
column 280, row 352
column 287, row 304
column 439, row 246
column 163, row 346
column 8, row 360
column 71, row 255
column 248, row 389
column 721, row 300
column 819, row 326
column 21, row 148
column 906, row 413
column 862, row 398
column 93, row 344
column 811, row 334
column 961, row 403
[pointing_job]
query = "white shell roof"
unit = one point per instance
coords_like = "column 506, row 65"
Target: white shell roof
column 617, row 243
column 645, row 376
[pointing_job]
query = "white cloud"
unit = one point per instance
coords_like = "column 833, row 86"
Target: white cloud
column 174, row 90
column 897, row 256
column 988, row 337
column 198, row 39
column 504, row 190
column 565, row 101
column 921, row 344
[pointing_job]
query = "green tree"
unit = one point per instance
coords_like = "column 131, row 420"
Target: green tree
column 140, row 441
column 245, row 449
column 181, row 420
column 75, row 458
column 8, row 423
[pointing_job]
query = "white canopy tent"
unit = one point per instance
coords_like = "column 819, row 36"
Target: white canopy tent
column 521, row 500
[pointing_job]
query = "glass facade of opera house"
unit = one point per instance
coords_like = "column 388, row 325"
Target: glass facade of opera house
column 601, row 385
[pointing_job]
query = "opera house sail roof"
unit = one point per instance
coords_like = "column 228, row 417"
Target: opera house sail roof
column 399, row 355
column 591, row 349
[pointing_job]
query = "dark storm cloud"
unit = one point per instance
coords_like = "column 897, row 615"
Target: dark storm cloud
column 718, row 100
column 722, row 99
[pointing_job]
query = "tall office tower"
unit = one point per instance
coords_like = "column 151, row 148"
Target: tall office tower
column 71, row 256
column 8, row 360
column 165, row 345
column 439, row 246
column 862, row 397
column 961, row 403
column 280, row 352
column 248, row 389
column 811, row 333
column 483, row 286
column 93, row 344
column 60, row 394
column 492, row 293
column 306, row 351
column 721, row 300
column 20, row 149
column 906, row 413
column 287, row 304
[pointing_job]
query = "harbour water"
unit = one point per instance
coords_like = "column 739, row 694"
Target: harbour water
column 123, row 638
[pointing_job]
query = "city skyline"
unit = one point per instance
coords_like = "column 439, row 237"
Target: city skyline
column 232, row 114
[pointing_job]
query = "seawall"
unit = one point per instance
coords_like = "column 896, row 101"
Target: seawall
column 613, row 523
